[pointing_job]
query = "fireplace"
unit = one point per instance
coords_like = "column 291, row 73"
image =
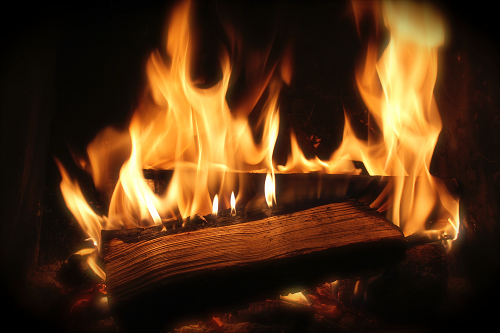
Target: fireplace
column 83, row 69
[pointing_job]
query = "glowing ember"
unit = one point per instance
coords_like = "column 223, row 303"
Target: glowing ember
column 296, row 298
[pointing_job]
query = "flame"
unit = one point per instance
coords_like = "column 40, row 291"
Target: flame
column 398, row 89
column 270, row 190
column 296, row 298
column 91, row 223
column 79, row 207
column 192, row 131
column 215, row 206
column 233, row 205
column 182, row 127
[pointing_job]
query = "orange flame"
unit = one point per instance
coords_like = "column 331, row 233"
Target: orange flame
column 191, row 130
column 233, row 205
column 270, row 190
column 80, row 209
column 398, row 91
column 215, row 206
column 182, row 127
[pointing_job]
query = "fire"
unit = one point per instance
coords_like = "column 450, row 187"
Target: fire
column 398, row 89
column 215, row 206
column 82, row 212
column 192, row 131
column 296, row 298
column 233, row 205
column 182, row 127
column 339, row 163
column 270, row 190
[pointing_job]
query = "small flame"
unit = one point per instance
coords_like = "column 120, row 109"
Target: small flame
column 91, row 260
column 270, row 190
column 91, row 223
column 215, row 206
column 233, row 205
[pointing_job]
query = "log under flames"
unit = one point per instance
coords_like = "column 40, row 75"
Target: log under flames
column 191, row 130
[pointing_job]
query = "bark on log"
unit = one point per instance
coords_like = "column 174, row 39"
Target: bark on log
column 297, row 187
column 223, row 262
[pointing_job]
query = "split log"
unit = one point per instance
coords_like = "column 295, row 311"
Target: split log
column 298, row 187
column 224, row 262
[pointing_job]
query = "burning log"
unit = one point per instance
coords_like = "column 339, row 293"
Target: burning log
column 292, row 187
column 233, row 260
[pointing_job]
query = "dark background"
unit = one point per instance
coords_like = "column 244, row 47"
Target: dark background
column 68, row 70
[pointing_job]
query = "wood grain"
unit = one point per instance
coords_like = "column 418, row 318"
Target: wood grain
column 134, row 263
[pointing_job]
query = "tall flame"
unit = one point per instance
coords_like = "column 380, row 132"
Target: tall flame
column 182, row 127
column 192, row 131
column 398, row 91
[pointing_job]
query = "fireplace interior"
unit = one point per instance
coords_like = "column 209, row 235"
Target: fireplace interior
column 68, row 71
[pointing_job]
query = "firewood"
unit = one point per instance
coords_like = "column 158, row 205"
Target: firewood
column 228, row 260
column 301, row 186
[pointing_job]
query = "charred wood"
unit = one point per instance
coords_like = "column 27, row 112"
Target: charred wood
column 297, row 187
